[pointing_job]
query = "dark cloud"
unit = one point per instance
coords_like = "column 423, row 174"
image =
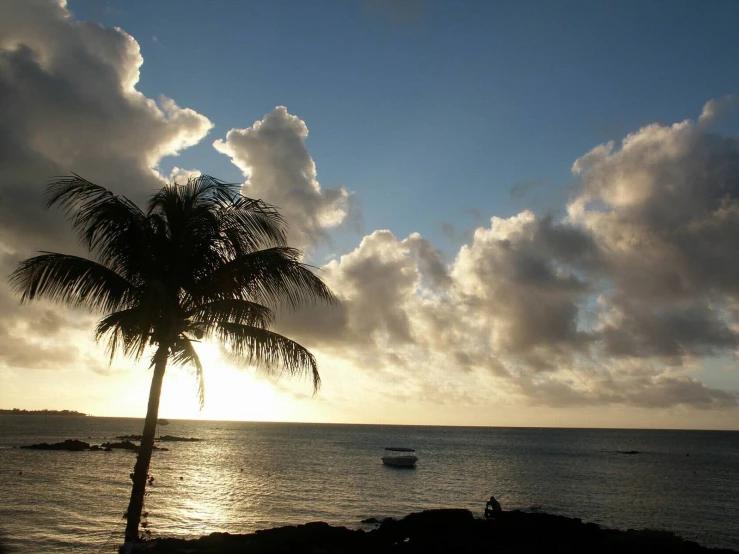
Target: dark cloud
column 671, row 331
column 655, row 391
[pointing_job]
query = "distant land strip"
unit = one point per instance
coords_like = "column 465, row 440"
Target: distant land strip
column 16, row 411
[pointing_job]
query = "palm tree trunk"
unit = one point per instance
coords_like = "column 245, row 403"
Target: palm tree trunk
column 147, row 443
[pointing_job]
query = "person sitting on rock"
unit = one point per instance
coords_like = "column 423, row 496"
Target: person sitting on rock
column 491, row 507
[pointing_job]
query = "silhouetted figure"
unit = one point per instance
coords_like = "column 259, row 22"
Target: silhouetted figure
column 20, row 472
column 491, row 507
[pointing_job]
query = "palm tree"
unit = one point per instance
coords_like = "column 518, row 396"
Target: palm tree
column 202, row 262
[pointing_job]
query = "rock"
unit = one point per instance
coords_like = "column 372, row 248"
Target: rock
column 69, row 444
column 165, row 438
column 442, row 531
column 172, row 438
column 370, row 520
column 431, row 530
column 125, row 445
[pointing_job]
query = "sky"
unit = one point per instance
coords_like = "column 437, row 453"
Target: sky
column 529, row 210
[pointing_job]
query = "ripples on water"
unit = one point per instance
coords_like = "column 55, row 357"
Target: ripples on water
column 248, row 476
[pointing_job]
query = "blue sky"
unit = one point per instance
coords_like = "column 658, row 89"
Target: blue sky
column 429, row 110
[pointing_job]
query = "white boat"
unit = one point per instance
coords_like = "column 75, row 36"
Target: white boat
column 400, row 457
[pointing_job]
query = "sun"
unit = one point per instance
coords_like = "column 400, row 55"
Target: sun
column 231, row 394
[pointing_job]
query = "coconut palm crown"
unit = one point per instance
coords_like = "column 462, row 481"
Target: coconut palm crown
column 202, row 262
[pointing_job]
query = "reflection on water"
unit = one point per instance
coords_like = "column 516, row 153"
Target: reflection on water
column 247, row 476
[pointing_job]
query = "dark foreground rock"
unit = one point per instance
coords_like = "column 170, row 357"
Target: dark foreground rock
column 442, row 531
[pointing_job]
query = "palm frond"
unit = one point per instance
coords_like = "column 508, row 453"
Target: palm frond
column 273, row 277
column 128, row 332
column 72, row 280
column 184, row 354
column 250, row 224
column 203, row 190
column 167, row 203
column 266, row 349
column 231, row 310
column 111, row 226
column 209, row 191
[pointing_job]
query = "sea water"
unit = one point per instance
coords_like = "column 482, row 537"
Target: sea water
column 247, row 476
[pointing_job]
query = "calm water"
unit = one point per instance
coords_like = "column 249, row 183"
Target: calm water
column 247, row 476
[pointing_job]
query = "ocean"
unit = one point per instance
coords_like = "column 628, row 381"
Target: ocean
column 248, row 476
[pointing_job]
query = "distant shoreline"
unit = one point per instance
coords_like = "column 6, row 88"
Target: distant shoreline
column 140, row 418
column 16, row 411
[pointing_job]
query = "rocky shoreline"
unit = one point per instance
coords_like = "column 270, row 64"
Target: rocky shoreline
column 442, row 531
column 75, row 445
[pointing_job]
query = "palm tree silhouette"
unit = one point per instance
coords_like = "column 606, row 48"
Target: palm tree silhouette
column 202, row 262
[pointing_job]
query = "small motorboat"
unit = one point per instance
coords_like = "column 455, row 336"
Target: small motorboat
column 399, row 457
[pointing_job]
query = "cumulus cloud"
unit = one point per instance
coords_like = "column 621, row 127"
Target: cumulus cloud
column 180, row 175
column 68, row 102
column 611, row 305
column 714, row 109
column 664, row 211
column 506, row 300
column 273, row 156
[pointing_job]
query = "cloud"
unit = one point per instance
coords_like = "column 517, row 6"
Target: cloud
column 68, row 102
column 512, row 278
column 273, row 156
column 181, row 176
column 505, row 299
column 610, row 305
column 663, row 210
column 714, row 109
column 653, row 390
